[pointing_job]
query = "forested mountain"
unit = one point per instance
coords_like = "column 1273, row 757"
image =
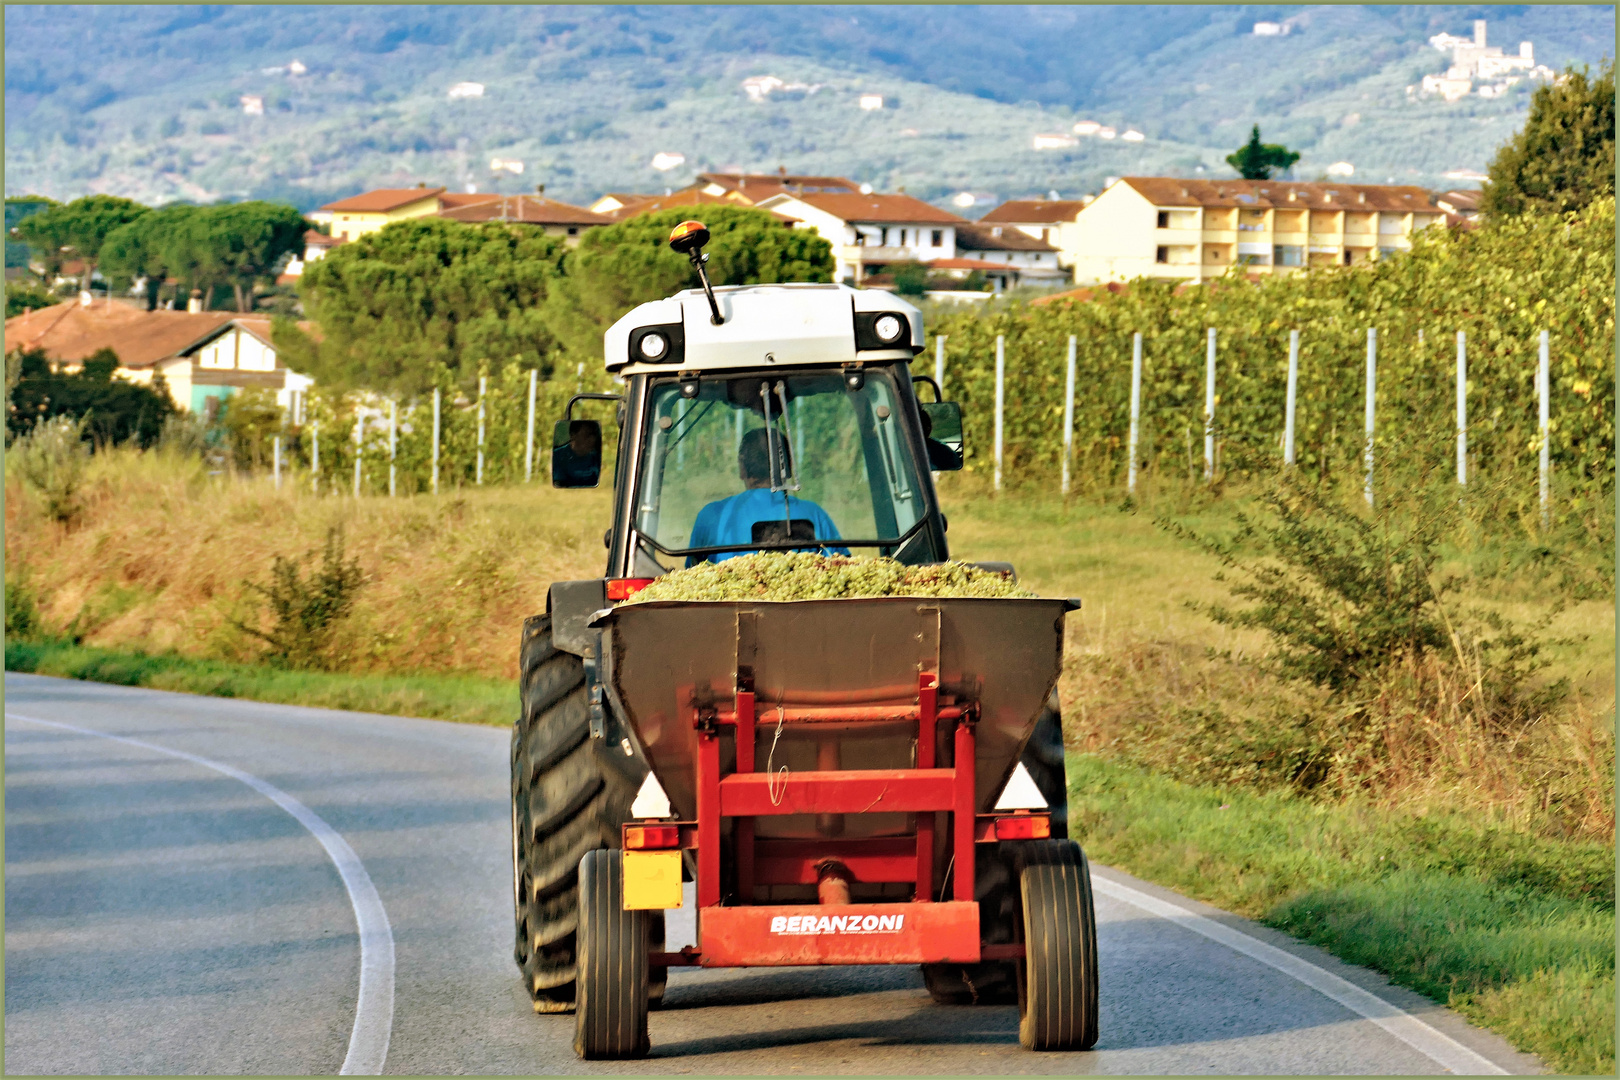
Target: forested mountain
column 148, row 101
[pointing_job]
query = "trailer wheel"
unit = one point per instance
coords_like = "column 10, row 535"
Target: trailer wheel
column 996, row 880
column 610, row 1017
column 1057, row 1000
column 566, row 801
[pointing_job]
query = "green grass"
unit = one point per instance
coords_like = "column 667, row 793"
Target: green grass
column 1514, row 932
column 468, row 699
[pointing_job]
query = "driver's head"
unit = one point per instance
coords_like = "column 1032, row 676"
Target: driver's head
column 584, row 437
column 753, row 457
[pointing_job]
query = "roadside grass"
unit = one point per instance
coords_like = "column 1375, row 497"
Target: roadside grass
column 464, row 698
column 1516, row 933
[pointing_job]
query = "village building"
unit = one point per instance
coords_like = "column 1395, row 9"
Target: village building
column 354, row 217
column 870, row 231
column 1006, row 256
column 203, row 358
column 1050, row 221
column 1195, row 230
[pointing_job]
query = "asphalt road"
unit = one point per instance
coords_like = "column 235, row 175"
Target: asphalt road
column 204, row 913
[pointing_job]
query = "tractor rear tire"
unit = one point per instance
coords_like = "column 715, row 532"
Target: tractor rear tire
column 610, row 1017
column 567, row 800
column 1057, row 1000
column 995, row 881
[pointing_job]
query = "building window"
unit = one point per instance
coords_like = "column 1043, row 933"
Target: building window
column 1288, row 255
column 1348, row 257
column 1253, row 259
column 573, row 230
column 939, row 237
column 1161, row 254
column 1164, row 219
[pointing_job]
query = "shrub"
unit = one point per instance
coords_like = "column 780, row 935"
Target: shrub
column 304, row 611
column 22, row 612
column 51, row 458
column 1360, row 618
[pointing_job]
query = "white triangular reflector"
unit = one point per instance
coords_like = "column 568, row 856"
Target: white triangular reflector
column 651, row 802
column 1021, row 792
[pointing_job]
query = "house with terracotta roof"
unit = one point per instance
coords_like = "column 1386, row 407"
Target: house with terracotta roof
column 1010, row 256
column 1195, row 230
column 227, row 359
column 201, row 355
column 1049, row 220
column 358, row 215
column 555, row 218
column 871, row 231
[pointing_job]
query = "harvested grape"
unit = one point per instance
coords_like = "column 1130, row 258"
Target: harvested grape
column 801, row 575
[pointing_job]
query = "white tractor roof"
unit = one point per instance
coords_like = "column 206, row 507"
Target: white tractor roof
column 763, row 325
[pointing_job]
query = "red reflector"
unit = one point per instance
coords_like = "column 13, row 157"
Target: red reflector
column 1024, row 827
column 625, row 587
column 653, row 837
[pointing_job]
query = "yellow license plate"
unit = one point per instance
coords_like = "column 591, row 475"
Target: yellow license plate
column 652, row 879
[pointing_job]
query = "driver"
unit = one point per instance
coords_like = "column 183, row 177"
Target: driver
column 731, row 520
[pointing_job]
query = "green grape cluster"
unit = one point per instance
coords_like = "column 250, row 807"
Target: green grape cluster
column 799, row 575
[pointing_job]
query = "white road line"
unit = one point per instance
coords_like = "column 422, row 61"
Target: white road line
column 1447, row 1052
column 374, row 1007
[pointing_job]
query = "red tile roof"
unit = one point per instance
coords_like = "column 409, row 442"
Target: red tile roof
column 636, row 205
column 383, row 200
column 972, row 264
column 1035, row 211
column 450, row 199
column 1080, row 295
column 316, row 238
column 879, row 208
column 1281, row 195
column 981, row 237
column 70, row 332
column 759, row 186
column 528, row 209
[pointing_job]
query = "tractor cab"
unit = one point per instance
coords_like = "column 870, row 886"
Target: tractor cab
column 767, row 417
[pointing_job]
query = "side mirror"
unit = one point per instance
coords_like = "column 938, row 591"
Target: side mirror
column 942, row 434
column 576, row 454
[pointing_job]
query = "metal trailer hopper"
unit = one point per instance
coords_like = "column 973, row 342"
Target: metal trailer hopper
column 830, row 765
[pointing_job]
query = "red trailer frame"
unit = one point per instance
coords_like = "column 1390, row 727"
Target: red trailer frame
column 920, row 931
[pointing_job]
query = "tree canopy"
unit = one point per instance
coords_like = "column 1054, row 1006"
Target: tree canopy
column 1259, row 161
column 396, row 304
column 1563, row 157
column 204, row 246
column 616, row 267
column 17, row 208
column 114, row 411
column 81, row 225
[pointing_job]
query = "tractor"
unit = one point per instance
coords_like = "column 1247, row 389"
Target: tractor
column 846, row 781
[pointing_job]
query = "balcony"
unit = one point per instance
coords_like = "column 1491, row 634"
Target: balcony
column 872, row 253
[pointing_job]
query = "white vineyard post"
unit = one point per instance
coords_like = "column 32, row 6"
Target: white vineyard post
column 528, row 447
column 1136, row 411
column 579, row 374
column 1068, row 417
column 1462, row 409
column 1209, row 406
column 315, row 457
column 1372, row 384
column 478, row 472
column 359, row 448
column 393, row 449
column 1293, row 397
column 435, row 455
column 939, row 364
column 275, row 447
column 1001, row 394
column 1543, row 378
column 797, row 405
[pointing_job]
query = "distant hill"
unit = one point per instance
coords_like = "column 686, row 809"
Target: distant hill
column 148, row 101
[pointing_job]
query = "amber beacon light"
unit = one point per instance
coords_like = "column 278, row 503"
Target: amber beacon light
column 688, row 239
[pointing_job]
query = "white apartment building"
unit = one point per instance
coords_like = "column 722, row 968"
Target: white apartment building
column 867, row 231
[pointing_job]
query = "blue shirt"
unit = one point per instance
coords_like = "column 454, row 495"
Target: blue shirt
column 731, row 521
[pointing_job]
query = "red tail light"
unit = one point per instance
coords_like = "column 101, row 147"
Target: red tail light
column 625, row 587
column 1024, row 827
column 652, row 837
